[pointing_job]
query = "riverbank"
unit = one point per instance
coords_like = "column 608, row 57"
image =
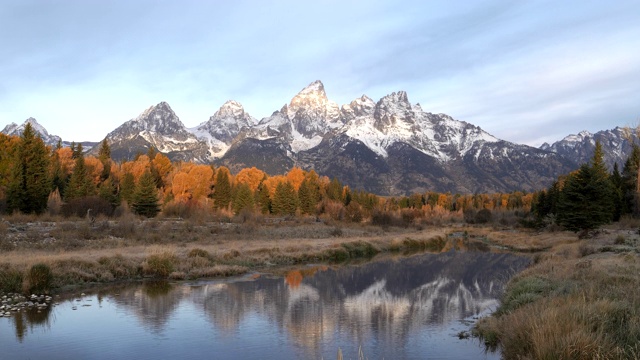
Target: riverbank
column 77, row 252
column 579, row 300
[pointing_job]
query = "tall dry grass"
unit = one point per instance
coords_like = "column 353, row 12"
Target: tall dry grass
column 573, row 304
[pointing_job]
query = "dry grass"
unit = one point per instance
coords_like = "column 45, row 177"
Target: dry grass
column 79, row 252
column 581, row 300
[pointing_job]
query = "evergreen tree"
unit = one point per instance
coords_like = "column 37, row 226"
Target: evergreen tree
column 29, row 184
column 222, row 192
column 334, row 190
column 618, row 199
column 80, row 183
column 263, row 199
column 145, row 197
column 586, row 201
column 285, row 200
column 104, row 155
column 631, row 199
column 307, row 198
column 77, row 150
column 243, row 198
column 107, row 192
column 59, row 179
column 127, row 187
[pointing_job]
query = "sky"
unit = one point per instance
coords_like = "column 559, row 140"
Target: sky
column 524, row 71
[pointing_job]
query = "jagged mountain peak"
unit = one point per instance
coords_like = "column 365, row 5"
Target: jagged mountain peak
column 311, row 97
column 362, row 106
column 579, row 147
column 15, row 129
column 315, row 88
column 224, row 126
column 387, row 147
column 393, row 110
column 311, row 113
column 230, row 108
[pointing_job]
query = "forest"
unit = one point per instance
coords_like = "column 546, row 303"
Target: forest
column 35, row 178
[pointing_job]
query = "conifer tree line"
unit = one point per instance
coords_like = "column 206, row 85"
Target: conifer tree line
column 35, row 178
column 591, row 196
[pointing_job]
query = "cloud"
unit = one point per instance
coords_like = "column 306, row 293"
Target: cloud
column 524, row 71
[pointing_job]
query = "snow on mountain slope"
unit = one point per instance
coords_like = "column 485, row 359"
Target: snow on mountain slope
column 157, row 127
column 223, row 127
column 393, row 119
column 16, row 130
column 579, row 147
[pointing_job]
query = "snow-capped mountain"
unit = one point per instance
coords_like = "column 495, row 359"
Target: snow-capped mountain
column 223, row 127
column 15, row 129
column 389, row 147
column 158, row 127
column 579, row 147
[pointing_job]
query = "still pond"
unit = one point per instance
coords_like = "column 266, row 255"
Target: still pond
column 390, row 308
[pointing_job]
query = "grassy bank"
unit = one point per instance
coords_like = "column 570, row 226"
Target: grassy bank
column 580, row 300
column 79, row 252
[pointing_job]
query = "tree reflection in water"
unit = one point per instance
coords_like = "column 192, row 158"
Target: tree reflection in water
column 381, row 305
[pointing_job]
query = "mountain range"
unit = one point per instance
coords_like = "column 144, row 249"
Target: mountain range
column 388, row 147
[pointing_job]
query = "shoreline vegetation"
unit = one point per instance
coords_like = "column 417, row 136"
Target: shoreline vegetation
column 579, row 299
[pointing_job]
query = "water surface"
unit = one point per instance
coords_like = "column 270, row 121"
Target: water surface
column 404, row 308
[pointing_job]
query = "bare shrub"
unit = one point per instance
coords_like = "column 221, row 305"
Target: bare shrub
column 469, row 216
column 39, row 278
column 336, row 232
column 160, row 264
column 334, row 209
column 195, row 252
column 385, row 219
column 183, row 209
column 54, row 203
column 586, row 249
column 125, row 226
column 19, row 218
column 4, row 227
column 483, row 216
column 10, row 280
column 354, row 212
column 410, row 215
column 84, row 206
column 246, row 215
column 122, row 210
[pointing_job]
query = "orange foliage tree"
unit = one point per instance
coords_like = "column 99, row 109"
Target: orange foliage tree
column 251, row 176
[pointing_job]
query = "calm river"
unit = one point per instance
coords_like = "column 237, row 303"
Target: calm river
column 404, row 308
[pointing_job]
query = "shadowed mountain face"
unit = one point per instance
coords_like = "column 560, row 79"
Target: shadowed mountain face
column 616, row 145
column 395, row 309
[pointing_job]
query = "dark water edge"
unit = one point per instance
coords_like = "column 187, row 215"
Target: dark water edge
column 394, row 308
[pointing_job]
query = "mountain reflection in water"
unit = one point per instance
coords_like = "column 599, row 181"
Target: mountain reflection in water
column 408, row 307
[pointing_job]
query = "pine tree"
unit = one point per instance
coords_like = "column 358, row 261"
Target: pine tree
column 80, row 183
column 127, row 187
column 58, row 177
column 618, row 199
column 586, row 201
column 30, row 183
column 307, row 198
column 631, row 198
column 263, row 199
column 222, row 192
column 285, row 200
column 107, row 192
column 243, row 198
column 145, row 198
column 104, row 155
column 334, row 190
